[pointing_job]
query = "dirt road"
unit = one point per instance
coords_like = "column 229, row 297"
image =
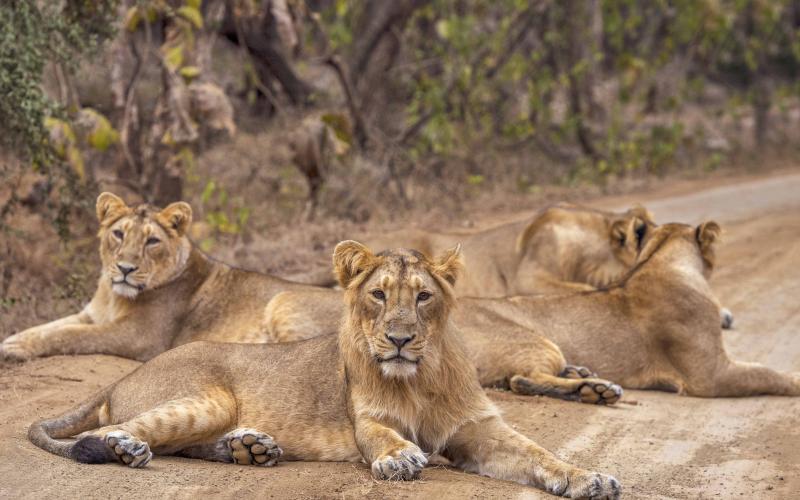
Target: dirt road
column 659, row 445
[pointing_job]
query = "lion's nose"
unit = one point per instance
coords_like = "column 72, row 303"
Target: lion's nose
column 399, row 339
column 126, row 268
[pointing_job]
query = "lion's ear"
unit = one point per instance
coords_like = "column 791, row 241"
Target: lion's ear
column 629, row 233
column 178, row 216
column 450, row 264
column 109, row 207
column 707, row 235
column 350, row 259
column 646, row 215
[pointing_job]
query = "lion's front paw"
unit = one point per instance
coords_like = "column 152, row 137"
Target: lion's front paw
column 251, row 447
column 129, row 450
column 19, row 347
column 584, row 484
column 405, row 465
column 600, row 392
column 593, row 485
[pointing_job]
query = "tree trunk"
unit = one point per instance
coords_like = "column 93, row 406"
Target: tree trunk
column 264, row 45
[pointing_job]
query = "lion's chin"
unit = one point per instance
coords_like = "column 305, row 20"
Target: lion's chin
column 398, row 369
column 125, row 290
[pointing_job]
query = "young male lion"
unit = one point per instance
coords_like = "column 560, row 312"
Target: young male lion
column 658, row 328
column 156, row 291
column 392, row 387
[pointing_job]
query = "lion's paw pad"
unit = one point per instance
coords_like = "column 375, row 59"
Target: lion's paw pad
column 251, row 447
column 593, row 485
column 405, row 466
column 129, row 450
column 571, row 371
column 600, row 393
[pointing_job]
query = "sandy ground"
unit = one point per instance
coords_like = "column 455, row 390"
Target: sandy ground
column 658, row 445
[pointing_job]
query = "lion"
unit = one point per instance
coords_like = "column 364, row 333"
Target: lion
column 564, row 247
column 656, row 328
column 525, row 363
column 156, row 291
column 394, row 386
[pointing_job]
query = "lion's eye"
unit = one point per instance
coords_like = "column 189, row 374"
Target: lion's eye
column 423, row 296
column 118, row 234
column 152, row 241
column 378, row 294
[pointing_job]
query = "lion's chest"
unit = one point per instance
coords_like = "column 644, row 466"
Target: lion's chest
column 417, row 418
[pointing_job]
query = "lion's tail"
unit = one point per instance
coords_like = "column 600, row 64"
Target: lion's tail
column 89, row 449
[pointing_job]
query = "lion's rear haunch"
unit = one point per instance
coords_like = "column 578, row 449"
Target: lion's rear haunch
column 87, row 449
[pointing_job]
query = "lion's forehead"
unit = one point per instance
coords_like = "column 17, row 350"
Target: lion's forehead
column 135, row 226
column 402, row 269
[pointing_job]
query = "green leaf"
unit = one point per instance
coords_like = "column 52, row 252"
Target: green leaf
column 189, row 72
column 174, row 56
column 102, row 135
column 192, row 15
column 132, row 19
column 208, row 191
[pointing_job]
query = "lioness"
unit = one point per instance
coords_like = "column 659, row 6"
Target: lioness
column 393, row 386
column 156, row 291
column 564, row 247
column 658, row 328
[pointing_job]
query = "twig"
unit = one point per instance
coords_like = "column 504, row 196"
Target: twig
column 248, row 57
column 336, row 63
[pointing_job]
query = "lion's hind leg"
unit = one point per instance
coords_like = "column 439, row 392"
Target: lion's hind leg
column 586, row 390
column 167, row 428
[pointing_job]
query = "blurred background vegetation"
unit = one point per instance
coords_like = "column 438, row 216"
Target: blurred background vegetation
column 267, row 113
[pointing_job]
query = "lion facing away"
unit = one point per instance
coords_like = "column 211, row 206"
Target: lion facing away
column 657, row 328
column 392, row 387
column 564, row 247
column 156, row 291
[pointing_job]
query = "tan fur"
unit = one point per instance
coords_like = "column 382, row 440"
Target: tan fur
column 394, row 386
column 564, row 247
column 524, row 362
column 656, row 329
column 147, row 312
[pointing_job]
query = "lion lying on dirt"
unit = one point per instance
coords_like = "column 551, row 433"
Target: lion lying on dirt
column 564, row 247
column 392, row 387
column 156, row 291
column 658, row 328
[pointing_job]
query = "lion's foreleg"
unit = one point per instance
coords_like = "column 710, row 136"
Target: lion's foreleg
column 491, row 448
column 590, row 390
column 738, row 378
column 27, row 343
column 392, row 457
column 110, row 338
